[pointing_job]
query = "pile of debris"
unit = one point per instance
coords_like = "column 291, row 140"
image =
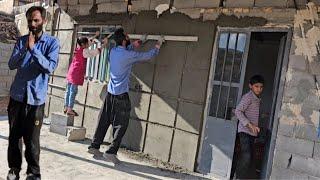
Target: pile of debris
column 8, row 29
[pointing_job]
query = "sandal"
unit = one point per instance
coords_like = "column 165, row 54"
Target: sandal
column 72, row 113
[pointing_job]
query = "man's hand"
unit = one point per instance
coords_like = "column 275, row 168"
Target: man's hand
column 97, row 34
column 31, row 40
column 143, row 39
column 253, row 128
column 161, row 40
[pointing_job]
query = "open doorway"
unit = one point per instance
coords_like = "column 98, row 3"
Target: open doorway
column 238, row 55
column 264, row 58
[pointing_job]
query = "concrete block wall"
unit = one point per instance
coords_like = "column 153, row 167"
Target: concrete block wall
column 166, row 107
column 6, row 75
column 297, row 143
column 169, row 86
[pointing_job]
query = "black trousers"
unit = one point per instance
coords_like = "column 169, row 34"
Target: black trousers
column 25, row 122
column 245, row 163
column 116, row 112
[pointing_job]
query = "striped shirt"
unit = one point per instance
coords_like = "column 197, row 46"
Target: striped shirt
column 247, row 111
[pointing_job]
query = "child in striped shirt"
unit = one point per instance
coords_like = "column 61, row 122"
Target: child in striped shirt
column 247, row 113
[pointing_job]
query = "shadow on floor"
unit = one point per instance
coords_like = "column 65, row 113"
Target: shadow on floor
column 127, row 167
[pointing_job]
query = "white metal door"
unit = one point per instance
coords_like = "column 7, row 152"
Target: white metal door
column 224, row 92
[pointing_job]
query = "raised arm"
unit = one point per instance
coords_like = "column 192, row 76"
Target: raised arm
column 18, row 54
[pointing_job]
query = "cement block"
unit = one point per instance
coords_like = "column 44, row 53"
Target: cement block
column 96, row 93
column 189, row 117
column 147, row 23
column 184, row 149
column 63, row 2
column 192, row 88
column 63, row 65
column 62, row 82
column 140, row 105
column 167, row 81
column 193, row 13
column 134, row 137
column 103, row 1
column 273, row 3
column 158, row 141
column 315, row 65
column 82, row 90
column 298, row 78
column 283, row 173
column 295, row 146
column 297, row 62
column 180, row 4
column 56, row 104
column 118, row 7
column 66, row 22
column 84, row 9
column 65, row 38
column 313, row 178
column 286, row 127
column 307, row 131
column 104, row 7
column 62, row 130
column 141, row 77
column 207, row 3
column 4, row 72
column 140, row 5
column 172, row 54
column 199, row 53
column 155, row 3
column 305, row 165
column 316, row 151
column 78, row 119
column 162, row 110
column 91, row 116
column 86, row 2
column 58, row 118
column 281, row 159
column 72, row 2
column 237, row 3
column 76, row 133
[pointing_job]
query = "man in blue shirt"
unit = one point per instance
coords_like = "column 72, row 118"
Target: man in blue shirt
column 35, row 56
column 117, row 106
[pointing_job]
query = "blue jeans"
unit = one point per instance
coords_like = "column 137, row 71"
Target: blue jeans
column 70, row 96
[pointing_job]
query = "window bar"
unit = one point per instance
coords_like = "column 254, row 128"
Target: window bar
column 101, row 65
column 230, row 79
column 97, row 61
column 222, row 73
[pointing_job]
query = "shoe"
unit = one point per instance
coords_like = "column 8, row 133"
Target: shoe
column 13, row 175
column 112, row 158
column 94, row 151
column 33, row 177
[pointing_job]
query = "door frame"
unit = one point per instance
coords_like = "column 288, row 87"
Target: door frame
column 281, row 79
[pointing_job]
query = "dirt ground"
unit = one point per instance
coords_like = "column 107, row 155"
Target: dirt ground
column 61, row 159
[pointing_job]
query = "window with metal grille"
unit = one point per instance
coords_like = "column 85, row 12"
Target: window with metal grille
column 228, row 74
column 97, row 68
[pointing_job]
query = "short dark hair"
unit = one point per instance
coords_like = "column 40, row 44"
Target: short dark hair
column 82, row 40
column 119, row 36
column 41, row 9
column 256, row 79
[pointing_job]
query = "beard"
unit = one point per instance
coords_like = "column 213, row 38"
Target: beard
column 36, row 30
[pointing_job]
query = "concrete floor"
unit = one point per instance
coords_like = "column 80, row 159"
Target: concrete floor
column 61, row 159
